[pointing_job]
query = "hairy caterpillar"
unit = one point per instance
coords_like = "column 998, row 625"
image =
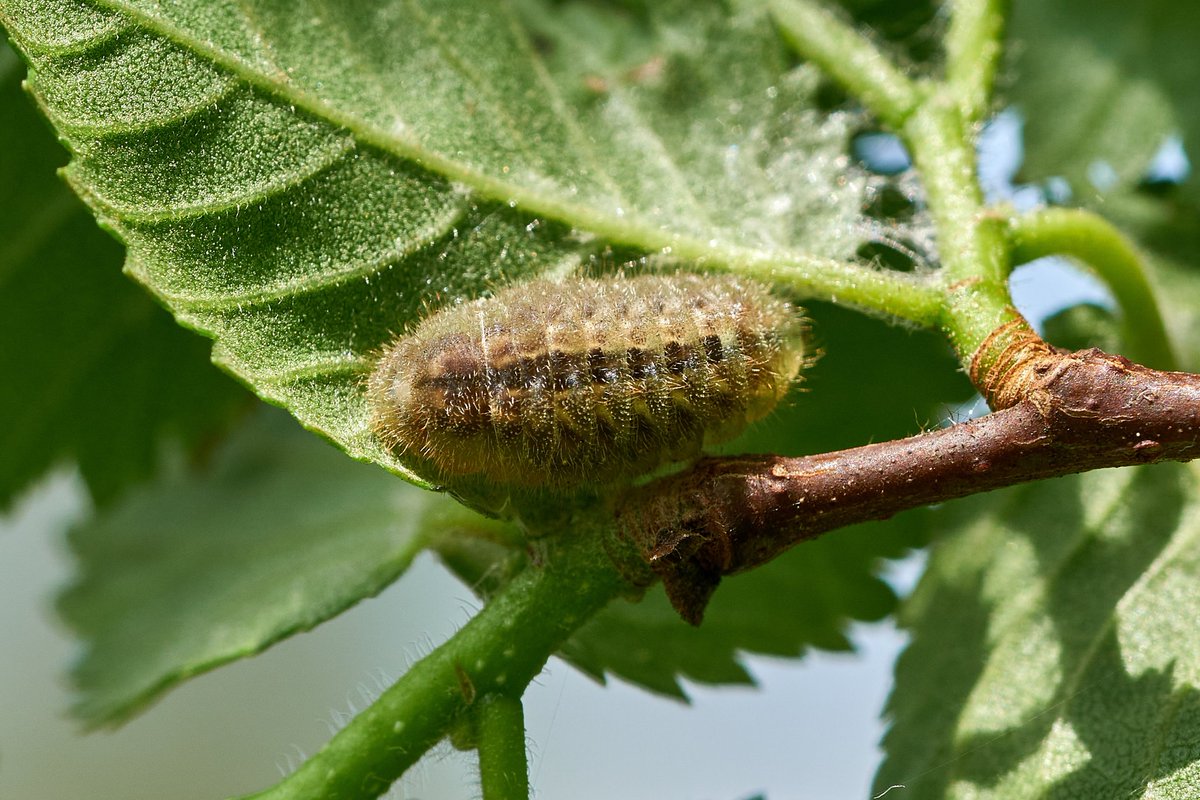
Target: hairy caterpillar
column 585, row 381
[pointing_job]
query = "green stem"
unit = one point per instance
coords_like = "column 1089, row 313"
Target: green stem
column 500, row 650
column 852, row 59
column 1094, row 241
column 974, row 44
column 910, row 298
column 937, row 124
column 972, row 243
column 500, row 731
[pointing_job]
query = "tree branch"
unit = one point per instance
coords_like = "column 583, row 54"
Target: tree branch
column 1061, row 413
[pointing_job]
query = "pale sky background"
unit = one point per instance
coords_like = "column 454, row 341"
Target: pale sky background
column 808, row 732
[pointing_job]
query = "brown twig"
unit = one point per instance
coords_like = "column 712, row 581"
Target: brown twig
column 1060, row 413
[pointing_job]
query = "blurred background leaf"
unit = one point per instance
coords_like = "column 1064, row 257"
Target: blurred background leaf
column 281, row 531
column 96, row 373
column 1101, row 85
column 1107, row 91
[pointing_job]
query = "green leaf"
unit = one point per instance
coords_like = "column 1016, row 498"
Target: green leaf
column 913, row 24
column 298, row 205
column 279, row 534
column 1083, row 326
column 1056, row 644
column 1103, row 81
column 302, row 180
column 93, row 370
column 1168, row 231
column 1132, row 78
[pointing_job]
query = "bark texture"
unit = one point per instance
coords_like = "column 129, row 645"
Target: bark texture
column 1058, row 413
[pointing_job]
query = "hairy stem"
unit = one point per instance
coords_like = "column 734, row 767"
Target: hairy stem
column 1094, row 241
column 500, row 650
column 1077, row 412
column 973, row 48
column 909, row 298
column 819, row 35
column 500, row 734
column 937, row 122
column 972, row 242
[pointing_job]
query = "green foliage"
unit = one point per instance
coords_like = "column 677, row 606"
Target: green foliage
column 236, row 530
column 301, row 181
column 1131, row 79
column 1168, row 228
column 296, row 226
column 1054, row 628
column 910, row 25
column 1055, row 644
column 302, row 206
column 1103, row 83
column 1083, row 326
column 94, row 371
column 279, row 533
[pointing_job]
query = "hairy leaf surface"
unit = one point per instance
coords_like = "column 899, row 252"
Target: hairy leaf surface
column 94, row 371
column 1056, row 644
column 302, row 180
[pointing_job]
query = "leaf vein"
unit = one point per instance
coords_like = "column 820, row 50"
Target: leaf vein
column 308, row 284
column 654, row 141
column 280, row 183
column 569, row 121
column 90, row 130
column 77, row 47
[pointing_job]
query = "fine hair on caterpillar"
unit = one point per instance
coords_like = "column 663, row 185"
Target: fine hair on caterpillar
column 585, row 381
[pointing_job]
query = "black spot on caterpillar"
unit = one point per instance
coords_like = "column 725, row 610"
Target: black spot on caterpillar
column 585, row 382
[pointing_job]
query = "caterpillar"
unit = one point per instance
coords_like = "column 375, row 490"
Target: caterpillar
column 580, row 382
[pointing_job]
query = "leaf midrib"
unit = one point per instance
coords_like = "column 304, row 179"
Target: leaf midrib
column 618, row 229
